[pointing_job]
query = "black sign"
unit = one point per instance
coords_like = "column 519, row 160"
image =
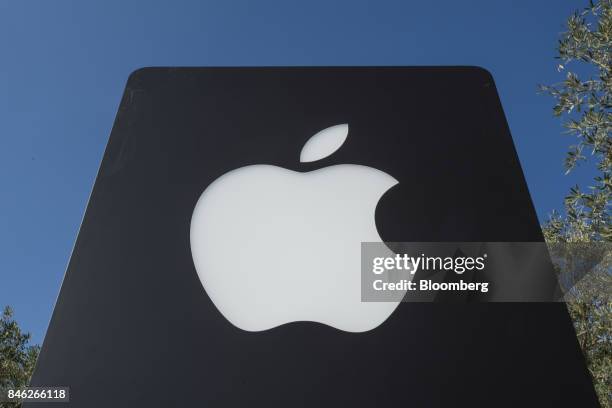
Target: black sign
column 134, row 324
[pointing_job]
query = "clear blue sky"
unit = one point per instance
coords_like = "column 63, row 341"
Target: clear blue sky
column 63, row 67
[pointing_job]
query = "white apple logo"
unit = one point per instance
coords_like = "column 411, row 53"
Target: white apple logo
column 273, row 246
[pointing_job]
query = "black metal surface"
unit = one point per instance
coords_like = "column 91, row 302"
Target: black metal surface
column 134, row 327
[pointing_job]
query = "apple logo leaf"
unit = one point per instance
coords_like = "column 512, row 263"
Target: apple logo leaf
column 324, row 143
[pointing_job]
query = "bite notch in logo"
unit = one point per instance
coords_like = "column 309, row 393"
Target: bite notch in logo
column 273, row 246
